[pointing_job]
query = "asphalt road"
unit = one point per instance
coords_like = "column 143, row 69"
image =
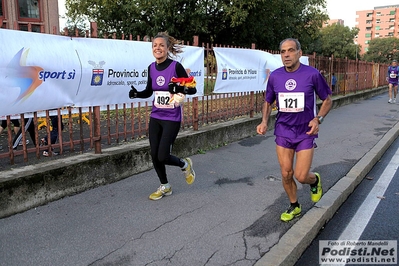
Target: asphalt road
column 229, row 216
column 369, row 214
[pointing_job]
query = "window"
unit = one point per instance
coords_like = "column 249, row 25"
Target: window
column 1, row 8
column 392, row 12
column 24, row 27
column 368, row 35
column 377, row 35
column 366, row 49
column 378, row 13
column 29, row 9
column 377, row 28
column 367, row 42
column 378, row 21
column 368, row 28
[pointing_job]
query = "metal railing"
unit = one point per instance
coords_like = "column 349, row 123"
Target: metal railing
column 118, row 124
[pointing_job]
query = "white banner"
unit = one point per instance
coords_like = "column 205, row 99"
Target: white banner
column 41, row 72
column 244, row 70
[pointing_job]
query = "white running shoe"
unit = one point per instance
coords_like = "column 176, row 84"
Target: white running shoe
column 390, row 101
column 47, row 154
column 20, row 143
column 394, row 100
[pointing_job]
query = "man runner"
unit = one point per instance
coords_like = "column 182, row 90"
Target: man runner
column 392, row 79
column 294, row 87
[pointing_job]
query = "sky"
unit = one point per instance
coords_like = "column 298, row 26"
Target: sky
column 336, row 9
column 61, row 12
column 346, row 9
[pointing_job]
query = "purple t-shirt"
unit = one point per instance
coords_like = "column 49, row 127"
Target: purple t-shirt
column 161, row 107
column 393, row 74
column 295, row 95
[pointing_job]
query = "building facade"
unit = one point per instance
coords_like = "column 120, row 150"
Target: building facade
column 333, row 21
column 30, row 15
column 380, row 22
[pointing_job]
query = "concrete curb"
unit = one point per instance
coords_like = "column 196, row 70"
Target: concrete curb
column 295, row 241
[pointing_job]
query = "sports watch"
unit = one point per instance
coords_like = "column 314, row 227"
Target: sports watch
column 320, row 118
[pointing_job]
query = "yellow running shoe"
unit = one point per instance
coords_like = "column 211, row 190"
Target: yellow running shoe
column 161, row 191
column 189, row 171
column 291, row 213
column 316, row 191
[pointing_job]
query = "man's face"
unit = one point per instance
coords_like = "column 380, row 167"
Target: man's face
column 394, row 63
column 290, row 55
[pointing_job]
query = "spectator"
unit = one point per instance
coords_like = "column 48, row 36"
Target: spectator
column 333, row 82
column 15, row 122
column 53, row 135
column 30, row 127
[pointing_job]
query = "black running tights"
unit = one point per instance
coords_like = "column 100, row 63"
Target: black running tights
column 162, row 135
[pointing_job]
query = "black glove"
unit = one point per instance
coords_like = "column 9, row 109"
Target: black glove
column 133, row 92
column 174, row 88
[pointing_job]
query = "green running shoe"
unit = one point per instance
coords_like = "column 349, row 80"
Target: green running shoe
column 291, row 213
column 316, row 191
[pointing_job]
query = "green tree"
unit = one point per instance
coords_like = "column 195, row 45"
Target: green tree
column 269, row 22
column 75, row 28
column 382, row 50
column 141, row 17
column 338, row 40
column 235, row 22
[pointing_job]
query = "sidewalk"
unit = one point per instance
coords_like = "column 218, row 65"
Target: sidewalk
column 229, row 216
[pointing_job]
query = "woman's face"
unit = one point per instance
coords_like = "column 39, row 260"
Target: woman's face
column 159, row 49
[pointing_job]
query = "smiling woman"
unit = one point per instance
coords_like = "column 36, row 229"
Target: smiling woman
column 166, row 113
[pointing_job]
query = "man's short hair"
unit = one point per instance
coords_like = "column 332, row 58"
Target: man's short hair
column 297, row 44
